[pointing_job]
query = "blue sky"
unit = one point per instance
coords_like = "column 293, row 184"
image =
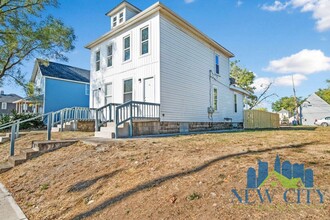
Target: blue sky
column 274, row 39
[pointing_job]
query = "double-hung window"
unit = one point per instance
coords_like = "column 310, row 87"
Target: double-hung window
column 97, row 60
column 108, row 93
column 215, row 99
column 235, row 103
column 145, row 40
column 217, row 67
column 109, row 54
column 114, row 21
column 127, row 48
column 4, row 105
column 121, row 17
column 128, row 90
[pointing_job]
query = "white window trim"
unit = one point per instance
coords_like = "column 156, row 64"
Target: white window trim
column 110, row 55
column 4, row 106
column 124, row 88
column 105, row 92
column 149, row 47
column 122, row 12
column 113, row 21
column 98, row 51
column 215, row 87
column 130, row 48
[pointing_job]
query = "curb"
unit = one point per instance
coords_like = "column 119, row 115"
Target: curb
column 10, row 200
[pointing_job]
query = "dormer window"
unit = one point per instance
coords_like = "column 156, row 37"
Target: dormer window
column 121, row 17
column 114, row 21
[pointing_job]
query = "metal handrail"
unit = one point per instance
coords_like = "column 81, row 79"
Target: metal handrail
column 135, row 110
column 105, row 114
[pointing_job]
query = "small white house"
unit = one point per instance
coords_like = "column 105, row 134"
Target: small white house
column 284, row 116
column 314, row 108
column 155, row 56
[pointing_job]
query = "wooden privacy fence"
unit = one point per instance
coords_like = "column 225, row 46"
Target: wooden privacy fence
column 260, row 119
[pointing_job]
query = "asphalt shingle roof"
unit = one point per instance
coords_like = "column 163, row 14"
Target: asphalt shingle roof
column 62, row 71
column 9, row 98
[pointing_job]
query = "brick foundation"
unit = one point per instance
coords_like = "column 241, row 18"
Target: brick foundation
column 86, row 126
column 156, row 127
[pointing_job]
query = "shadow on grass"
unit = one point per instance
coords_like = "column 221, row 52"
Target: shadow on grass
column 158, row 181
column 86, row 184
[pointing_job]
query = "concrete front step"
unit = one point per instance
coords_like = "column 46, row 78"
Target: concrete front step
column 46, row 146
column 29, row 153
column 17, row 160
column 4, row 167
column 105, row 134
column 4, row 139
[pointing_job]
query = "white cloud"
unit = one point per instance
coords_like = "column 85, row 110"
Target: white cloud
column 277, row 6
column 287, row 80
column 239, row 3
column 303, row 62
column 189, row 1
column 319, row 8
column 262, row 82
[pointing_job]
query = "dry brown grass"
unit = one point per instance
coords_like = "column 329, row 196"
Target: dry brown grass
column 184, row 177
column 25, row 141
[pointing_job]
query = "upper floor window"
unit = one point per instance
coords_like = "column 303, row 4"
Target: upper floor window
column 97, row 61
column 127, row 48
column 121, row 17
column 4, row 105
column 114, row 21
column 109, row 54
column 235, row 103
column 217, row 67
column 145, row 40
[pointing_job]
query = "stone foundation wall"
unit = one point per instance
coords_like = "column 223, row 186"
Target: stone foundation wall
column 86, row 126
column 152, row 128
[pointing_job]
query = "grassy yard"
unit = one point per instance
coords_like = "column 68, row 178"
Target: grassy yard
column 183, row 177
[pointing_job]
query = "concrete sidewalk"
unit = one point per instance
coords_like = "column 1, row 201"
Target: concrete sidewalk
column 9, row 210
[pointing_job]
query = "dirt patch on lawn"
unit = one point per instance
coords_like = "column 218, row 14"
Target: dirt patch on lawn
column 183, row 177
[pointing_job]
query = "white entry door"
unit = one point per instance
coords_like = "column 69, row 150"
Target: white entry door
column 149, row 90
column 95, row 98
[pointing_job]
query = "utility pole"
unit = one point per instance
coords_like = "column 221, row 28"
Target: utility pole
column 296, row 102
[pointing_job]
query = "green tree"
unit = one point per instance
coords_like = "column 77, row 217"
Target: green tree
column 325, row 93
column 288, row 103
column 26, row 33
column 245, row 79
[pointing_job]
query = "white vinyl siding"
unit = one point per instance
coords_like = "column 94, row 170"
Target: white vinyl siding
column 186, row 92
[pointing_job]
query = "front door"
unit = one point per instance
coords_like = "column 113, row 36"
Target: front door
column 149, row 90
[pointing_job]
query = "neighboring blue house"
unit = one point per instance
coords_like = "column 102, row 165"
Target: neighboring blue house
column 59, row 86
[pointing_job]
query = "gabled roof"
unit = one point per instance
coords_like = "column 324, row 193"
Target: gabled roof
column 61, row 71
column 120, row 6
column 9, row 98
column 159, row 7
column 283, row 111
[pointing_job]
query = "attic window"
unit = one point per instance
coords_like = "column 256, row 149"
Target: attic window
column 121, row 17
column 114, row 21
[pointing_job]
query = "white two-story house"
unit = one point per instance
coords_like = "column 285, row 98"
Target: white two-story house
column 155, row 56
